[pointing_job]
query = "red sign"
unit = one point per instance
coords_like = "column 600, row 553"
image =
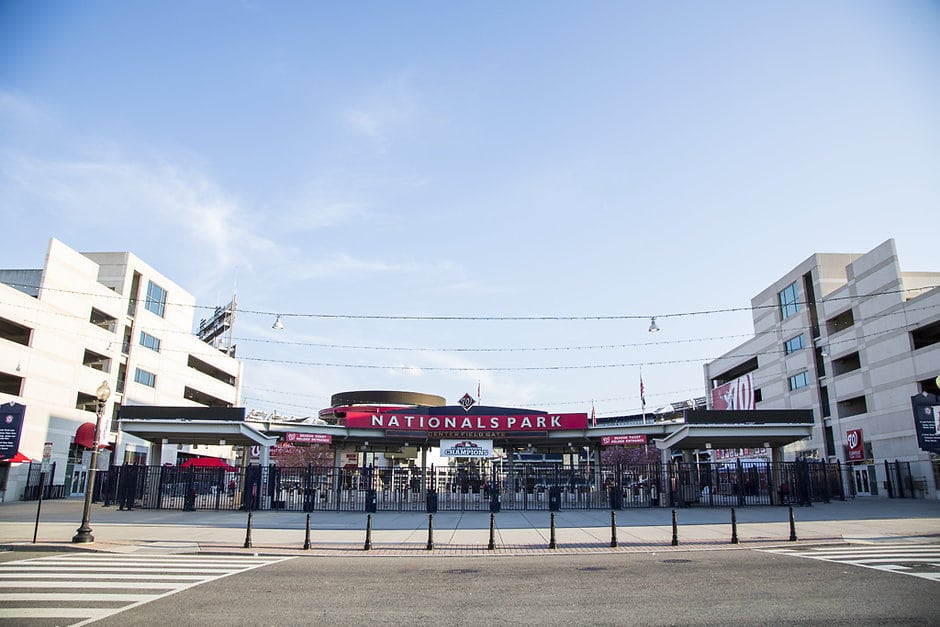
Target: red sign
column 856, row 446
column 623, row 440
column 737, row 394
column 295, row 437
column 463, row 422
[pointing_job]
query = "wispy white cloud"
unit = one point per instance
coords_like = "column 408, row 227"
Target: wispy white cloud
column 17, row 110
column 176, row 204
column 378, row 115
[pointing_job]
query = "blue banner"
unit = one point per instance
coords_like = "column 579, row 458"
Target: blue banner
column 11, row 427
column 927, row 421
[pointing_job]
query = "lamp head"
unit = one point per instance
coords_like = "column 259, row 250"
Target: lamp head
column 103, row 392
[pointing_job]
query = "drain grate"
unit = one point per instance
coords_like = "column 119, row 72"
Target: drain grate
column 592, row 569
column 677, row 561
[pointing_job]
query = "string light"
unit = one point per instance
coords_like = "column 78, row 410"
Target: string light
column 531, row 318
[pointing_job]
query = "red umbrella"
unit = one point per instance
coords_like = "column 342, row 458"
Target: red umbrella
column 206, row 462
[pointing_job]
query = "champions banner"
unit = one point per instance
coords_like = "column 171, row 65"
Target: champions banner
column 467, row 448
column 464, row 422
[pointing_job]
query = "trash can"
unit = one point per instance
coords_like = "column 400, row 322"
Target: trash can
column 190, row 503
column 554, row 498
column 615, row 497
column 371, row 498
column 432, row 502
column 495, row 503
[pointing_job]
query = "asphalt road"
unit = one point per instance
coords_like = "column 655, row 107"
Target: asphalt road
column 725, row 587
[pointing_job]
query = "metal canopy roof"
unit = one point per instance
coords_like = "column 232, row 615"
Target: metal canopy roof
column 690, row 437
column 196, row 432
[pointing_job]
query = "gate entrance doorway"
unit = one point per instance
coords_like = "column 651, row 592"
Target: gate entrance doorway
column 862, row 483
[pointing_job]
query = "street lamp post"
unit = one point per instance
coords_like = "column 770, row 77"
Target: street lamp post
column 83, row 533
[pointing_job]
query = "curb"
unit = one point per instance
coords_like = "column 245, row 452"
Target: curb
column 414, row 549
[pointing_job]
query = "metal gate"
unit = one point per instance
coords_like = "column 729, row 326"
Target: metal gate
column 474, row 487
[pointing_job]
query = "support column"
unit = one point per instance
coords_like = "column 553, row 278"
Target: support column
column 424, row 472
column 777, row 476
column 598, row 480
column 119, row 447
column 337, row 470
column 156, row 454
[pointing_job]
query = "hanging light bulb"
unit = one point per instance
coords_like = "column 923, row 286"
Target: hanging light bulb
column 653, row 327
column 278, row 325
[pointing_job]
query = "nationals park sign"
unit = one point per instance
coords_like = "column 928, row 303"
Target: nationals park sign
column 463, row 425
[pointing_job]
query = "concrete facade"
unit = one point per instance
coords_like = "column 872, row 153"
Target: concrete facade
column 853, row 338
column 85, row 318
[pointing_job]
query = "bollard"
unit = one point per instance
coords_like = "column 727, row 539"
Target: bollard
column 675, row 530
column 734, row 527
column 248, row 533
column 792, row 526
column 368, row 545
column 430, row 546
column 551, row 540
column 492, row 545
column 613, row 529
column 307, row 536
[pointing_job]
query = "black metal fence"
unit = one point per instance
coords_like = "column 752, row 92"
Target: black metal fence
column 490, row 487
column 37, row 481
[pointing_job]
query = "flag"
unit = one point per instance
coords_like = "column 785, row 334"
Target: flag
column 642, row 392
column 593, row 416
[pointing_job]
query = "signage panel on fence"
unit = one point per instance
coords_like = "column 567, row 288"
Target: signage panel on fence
column 478, row 449
column 295, row 437
column 623, row 440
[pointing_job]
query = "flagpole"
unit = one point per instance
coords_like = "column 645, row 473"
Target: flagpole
column 642, row 395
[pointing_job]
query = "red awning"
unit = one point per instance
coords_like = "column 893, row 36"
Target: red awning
column 19, row 458
column 85, row 435
column 207, row 462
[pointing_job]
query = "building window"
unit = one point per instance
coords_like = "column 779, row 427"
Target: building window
column 794, row 344
column 789, row 301
column 156, row 298
column 151, row 342
column 851, row 407
column 927, row 335
column 800, row 380
column 842, row 321
column 145, row 378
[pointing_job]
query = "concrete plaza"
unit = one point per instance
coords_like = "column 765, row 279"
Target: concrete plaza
column 514, row 532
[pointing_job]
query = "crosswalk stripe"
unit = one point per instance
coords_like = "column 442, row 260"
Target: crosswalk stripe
column 55, row 612
column 90, row 576
column 106, row 584
column 887, row 558
column 173, row 560
column 74, row 596
column 94, row 585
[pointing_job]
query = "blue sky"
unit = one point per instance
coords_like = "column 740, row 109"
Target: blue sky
column 525, row 159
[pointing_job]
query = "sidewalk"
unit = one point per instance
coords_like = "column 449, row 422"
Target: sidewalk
column 465, row 533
